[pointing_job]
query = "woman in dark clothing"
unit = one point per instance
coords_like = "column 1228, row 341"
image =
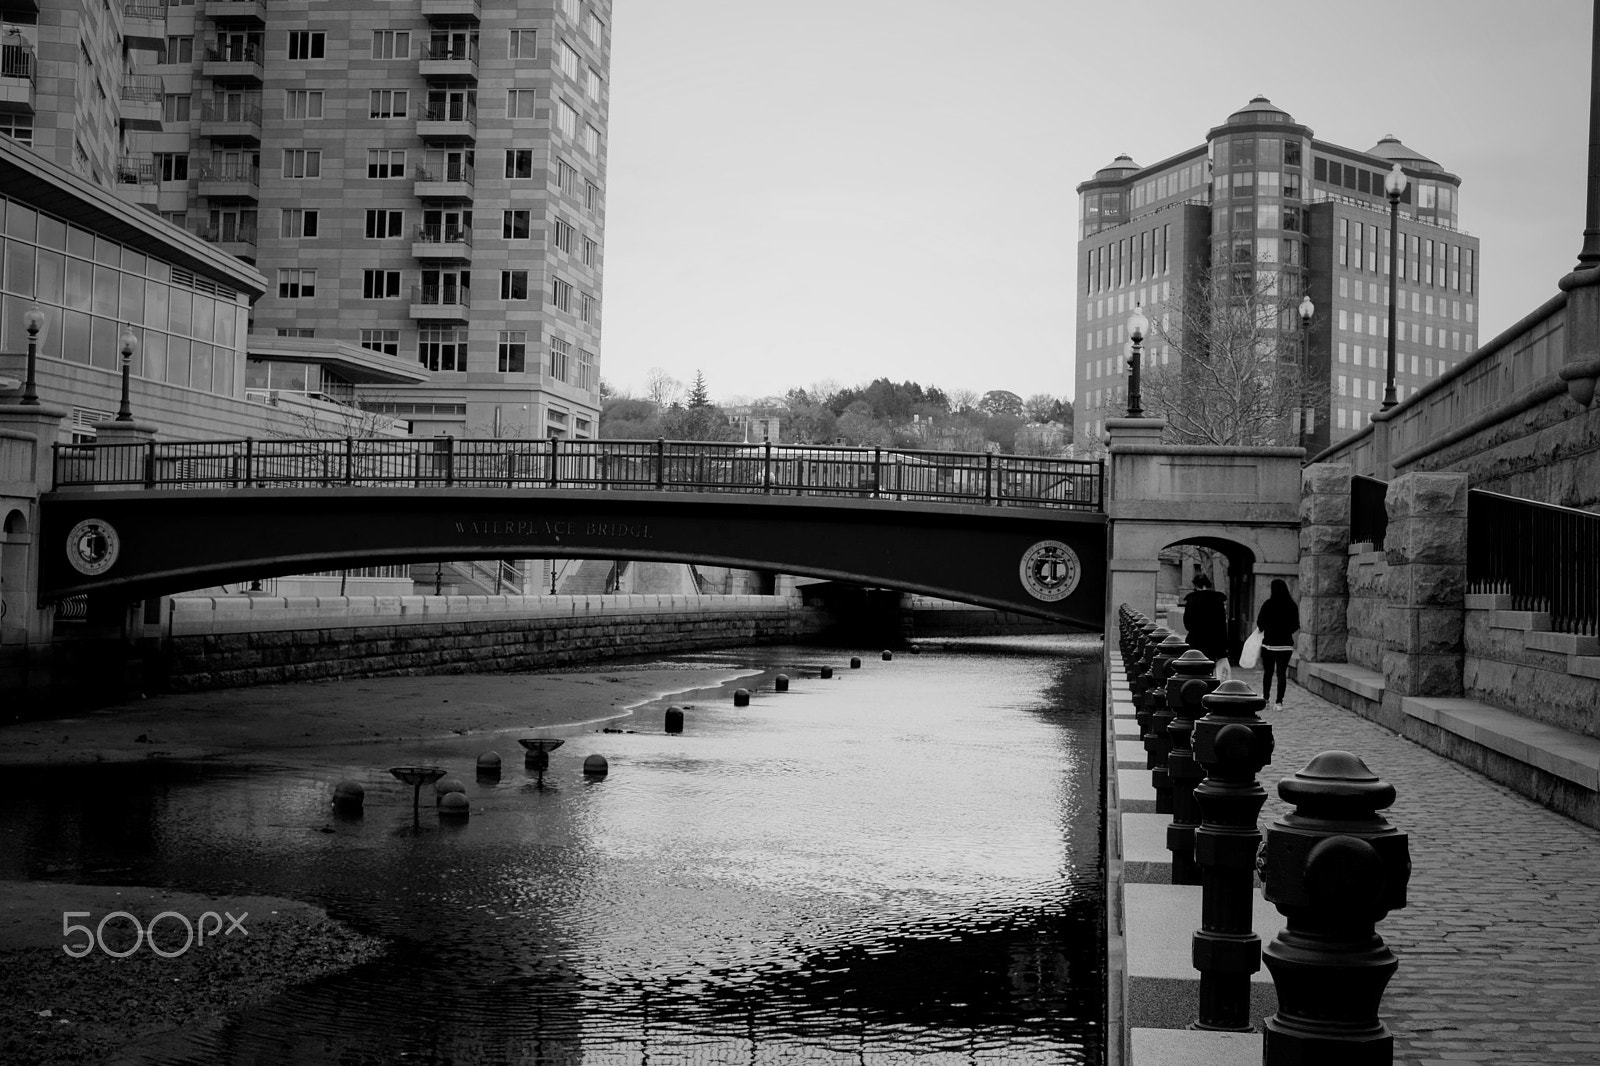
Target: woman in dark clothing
column 1278, row 620
column 1205, row 618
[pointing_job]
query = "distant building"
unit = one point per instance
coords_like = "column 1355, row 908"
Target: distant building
column 1043, row 438
column 1263, row 190
column 756, row 425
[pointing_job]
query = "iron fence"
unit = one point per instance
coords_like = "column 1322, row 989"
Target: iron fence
column 1369, row 521
column 1546, row 558
column 660, row 465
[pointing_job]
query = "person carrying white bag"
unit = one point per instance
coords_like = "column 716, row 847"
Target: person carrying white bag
column 1276, row 624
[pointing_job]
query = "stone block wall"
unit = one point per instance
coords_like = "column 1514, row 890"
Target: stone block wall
column 1324, row 582
column 1367, row 577
column 1425, row 553
column 1506, row 668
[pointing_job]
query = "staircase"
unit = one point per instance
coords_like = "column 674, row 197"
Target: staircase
column 493, row 577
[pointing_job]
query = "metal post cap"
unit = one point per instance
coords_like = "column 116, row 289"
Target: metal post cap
column 1336, row 784
column 1233, row 699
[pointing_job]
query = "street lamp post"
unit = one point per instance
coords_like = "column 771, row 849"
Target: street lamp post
column 33, row 321
column 1393, row 185
column 1306, row 309
column 130, row 344
column 1138, row 326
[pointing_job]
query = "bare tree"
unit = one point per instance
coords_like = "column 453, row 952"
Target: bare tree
column 962, row 399
column 1041, row 407
column 661, row 388
column 1237, row 375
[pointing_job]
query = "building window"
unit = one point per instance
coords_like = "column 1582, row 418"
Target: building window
column 383, row 224
column 591, row 84
column 569, row 8
column 172, row 166
column 591, row 139
column 519, row 162
column 388, row 103
column 386, row 341
column 303, row 332
column 391, row 44
column 569, row 60
column 302, row 162
column 567, row 119
column 591, row 196
column 594, row 27
column 522, row 44
column 585, row 307
column 296, row 284
column 558, row 358
column 561, row 294
column 513, row 351
column 590, row 251
column 179, row 50
column 307, row 44
column 520, row 103
column 564, row 235
column 298, row 222
column 442, row 349
column 513, row 284
column 516, row 225
column 175, row 107
column 566, row 176
column 380, row 284
column 585, row 372
column 18, row 127
column 386, row 163
column 302, row 103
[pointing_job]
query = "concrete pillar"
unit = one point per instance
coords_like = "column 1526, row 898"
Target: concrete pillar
column 1324, row 559
column 1580, row 368
column 1130, row 580
column 27, row 434
column 1426, row 555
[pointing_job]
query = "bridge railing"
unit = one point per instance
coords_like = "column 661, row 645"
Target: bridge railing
column 1546, row 558
column 660, row 465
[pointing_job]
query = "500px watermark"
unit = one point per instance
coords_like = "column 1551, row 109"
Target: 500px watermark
column 195, row 933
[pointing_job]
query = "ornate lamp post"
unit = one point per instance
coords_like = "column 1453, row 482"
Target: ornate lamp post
column 33, row 321
column 130, row 344
column 1306, row 309
column 1138, row 326
column 1393, row 186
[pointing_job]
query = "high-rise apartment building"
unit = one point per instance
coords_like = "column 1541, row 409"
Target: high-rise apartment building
column 420, row 182
column 1263, row 194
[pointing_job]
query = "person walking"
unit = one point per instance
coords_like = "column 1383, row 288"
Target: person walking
column 1278, row 620
column 1205, row 618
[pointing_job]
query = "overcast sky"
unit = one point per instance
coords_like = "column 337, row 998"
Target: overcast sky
column 847, row 189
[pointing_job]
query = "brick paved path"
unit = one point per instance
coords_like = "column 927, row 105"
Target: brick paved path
column 1499, row 944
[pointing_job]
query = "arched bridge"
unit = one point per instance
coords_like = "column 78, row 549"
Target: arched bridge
column 1012, row 532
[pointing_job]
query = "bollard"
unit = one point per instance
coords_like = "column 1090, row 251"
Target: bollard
column 674, row 720
column 1158, row 744
column 349, row 796
column 1140, row 689
column 827, row 672
column 489, row 764
column 780, row 683
column 444, row 787
column 741, row 697
column 888, row 656
column 454, row 805
column 855, row 663
column 916, row 649
column 1334, row 869
column 596, row 766
column 1188, row 681
column 1233, row 744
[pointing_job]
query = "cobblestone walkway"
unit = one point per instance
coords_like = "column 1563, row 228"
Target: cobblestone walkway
column 1499, row 945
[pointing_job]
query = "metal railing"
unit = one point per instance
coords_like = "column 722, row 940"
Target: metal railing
column 983, row 479
column 136, row 170
column 16, row 61
column 435, row 296
column 448, row 51
column 443, row 235
column 142, row 88
column 246, row 110
column 239, row 232
column 1546, row 558
column 144, row 11
column 1369, row 521
column 458, row 172
column 233, row 53
column 447, row 111
column 230, row 172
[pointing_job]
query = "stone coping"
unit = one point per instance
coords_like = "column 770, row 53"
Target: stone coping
column 1368, row 684
column 1571, row 756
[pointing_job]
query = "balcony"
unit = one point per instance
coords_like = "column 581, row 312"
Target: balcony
column 251, row 11
column 224, row 182
column 442, row 242
column 439, row 303
column 450, row 61
column 233, row 62
column 455, row 120
column 235, row 119
column 144, row 25
column 450, row 10
column 136, row 181
column 17, row 72
column 140, row 102
column 452, row 182
column 236, row 238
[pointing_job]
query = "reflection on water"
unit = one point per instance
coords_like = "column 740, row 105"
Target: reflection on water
column 902, row 862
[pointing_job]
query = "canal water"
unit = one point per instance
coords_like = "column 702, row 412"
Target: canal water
column 901, row 863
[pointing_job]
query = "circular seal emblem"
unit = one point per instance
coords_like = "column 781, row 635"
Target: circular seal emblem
column 92, row 546
column 1050, row 571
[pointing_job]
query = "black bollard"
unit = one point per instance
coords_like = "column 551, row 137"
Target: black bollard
column 674, row 720
column 888, row 656
column 1334, row 868
column 1160, row 743
column 741, row 697
column 855, row 662
column 1188, row 681
column 1140, row 689
column 780, row 683
column 1233, row 744
column 827, row 672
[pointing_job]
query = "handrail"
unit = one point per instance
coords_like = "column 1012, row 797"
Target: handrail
column 1545, row 557
column 230, row 172
column 981, row 479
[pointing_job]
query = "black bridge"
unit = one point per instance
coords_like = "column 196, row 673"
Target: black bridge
column 1018, row 533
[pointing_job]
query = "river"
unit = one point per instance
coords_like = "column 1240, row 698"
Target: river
column 900, row 863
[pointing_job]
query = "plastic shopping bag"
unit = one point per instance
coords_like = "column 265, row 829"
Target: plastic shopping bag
column 1251, row 654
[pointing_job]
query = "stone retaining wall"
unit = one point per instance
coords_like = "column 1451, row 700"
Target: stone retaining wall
column 1511, row 664
column 218, row 644
column 1365, row 610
